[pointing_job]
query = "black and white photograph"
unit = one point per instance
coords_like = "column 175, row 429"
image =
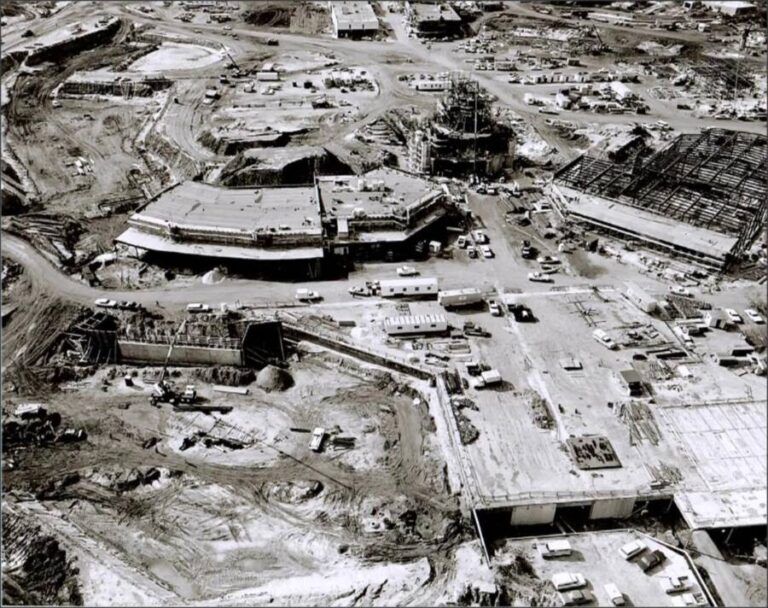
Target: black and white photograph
column 384, row 303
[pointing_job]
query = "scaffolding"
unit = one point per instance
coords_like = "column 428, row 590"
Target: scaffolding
column 714, row 180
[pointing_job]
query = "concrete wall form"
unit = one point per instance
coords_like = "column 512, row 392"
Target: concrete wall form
column 144, row 352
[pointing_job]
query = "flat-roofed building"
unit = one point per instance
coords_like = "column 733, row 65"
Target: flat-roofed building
column 433, row 19
column 342, row 216
column 253, row 224
column 382, row 207
column 353, row 19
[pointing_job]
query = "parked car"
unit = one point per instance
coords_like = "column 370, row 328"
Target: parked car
column 407, row 271
column 577, row 597
column 754, row 316
column 679, row 290
column 632, row 549
column 555, row 548
column 733, row 316
column 481, row 238
column 495, row 308
column 687, row 599
column 564, row 581
column 614, row 594
column 547, row 259
column 461, row 242
column 105, row 303
column 603, row 338
column 674, row 584
column 487, row 251
column 129, row 305
column 538, row 277
column 471, row 252
column 650, row 560
column 198, row 307
column 307, row 295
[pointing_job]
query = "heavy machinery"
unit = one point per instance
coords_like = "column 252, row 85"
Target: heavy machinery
column 164, row 392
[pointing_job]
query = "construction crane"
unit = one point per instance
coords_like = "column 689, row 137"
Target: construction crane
column 162, row 391
column 601, row 45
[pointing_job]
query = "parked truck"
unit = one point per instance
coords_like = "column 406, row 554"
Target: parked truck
column 488, row 378
column 454, row 298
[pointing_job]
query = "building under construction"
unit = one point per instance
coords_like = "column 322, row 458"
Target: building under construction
column 703, row 197
column 462, row 138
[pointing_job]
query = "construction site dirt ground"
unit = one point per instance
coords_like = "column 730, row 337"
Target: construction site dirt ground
column 271, row 512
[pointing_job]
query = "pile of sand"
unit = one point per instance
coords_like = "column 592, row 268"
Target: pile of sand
column 273, row 378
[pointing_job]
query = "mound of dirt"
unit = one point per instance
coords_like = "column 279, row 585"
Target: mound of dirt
column 270, row 14
column 36, row 568
column 273, row 378
column 293, row 492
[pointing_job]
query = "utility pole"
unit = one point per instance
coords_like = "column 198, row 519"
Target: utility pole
column 474, row 142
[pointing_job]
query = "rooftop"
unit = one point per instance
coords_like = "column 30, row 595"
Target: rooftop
column 354, row 14
column 434, row 12
column 242, row 210
column 161, row 244
column 383, row 192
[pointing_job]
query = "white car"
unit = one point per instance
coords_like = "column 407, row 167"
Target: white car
column 487, row 251
column 494, row 307
column 686, row 599
column 198, row 307
column 674, row 584
column 480, row 237
column 537, row 277
column 603, row 338
column 555, row 548
column 105, row 303
column 563, row 581
column 679, row 290
column 754, row 316
column 630, row 550
column 307, row 295
column 407, row 271
column 547, row 259
column 733, row 316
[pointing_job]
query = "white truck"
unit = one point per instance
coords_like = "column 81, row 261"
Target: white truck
column 307, row 295
column 603, row 338
column 488, row 378
column 316, row 443
column 459, row 297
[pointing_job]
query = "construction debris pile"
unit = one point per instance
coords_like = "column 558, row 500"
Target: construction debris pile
column 36, row 569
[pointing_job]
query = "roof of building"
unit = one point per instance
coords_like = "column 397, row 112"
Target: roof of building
column 434, row 12
column 244, row 210
column 153, row 242
column 380, row 192
column 644, row 224
column 403, row 320
column 354, row 14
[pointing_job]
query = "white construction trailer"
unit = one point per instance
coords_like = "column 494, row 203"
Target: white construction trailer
column 415, row 324
column 460, row 297
column 408, row 287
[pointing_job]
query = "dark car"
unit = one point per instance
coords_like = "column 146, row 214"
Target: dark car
column 650, row 560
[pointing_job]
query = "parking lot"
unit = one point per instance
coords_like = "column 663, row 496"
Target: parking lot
column 595, row 555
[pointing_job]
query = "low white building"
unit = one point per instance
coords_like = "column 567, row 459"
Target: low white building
column 732, row 8
column 415, row 324
column 353, row 18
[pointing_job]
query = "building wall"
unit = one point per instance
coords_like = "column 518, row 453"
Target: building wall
column 181, row 355
column 529, row 515
column 612, row 508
